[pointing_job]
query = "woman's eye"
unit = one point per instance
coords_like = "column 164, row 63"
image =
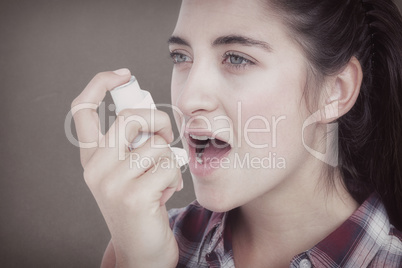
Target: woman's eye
column 236, row 60
column 179, row 57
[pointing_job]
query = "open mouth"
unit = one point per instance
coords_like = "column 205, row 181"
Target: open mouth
column 208, row 148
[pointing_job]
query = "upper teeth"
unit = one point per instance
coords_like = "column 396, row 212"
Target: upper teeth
column 201, row 138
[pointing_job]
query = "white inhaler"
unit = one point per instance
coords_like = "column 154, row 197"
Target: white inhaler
column 131, row 96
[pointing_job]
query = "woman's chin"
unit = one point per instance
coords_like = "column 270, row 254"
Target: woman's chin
column 216, row 202
column 214, row 206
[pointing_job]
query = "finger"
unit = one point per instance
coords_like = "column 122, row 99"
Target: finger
column 166, row 195
column 128, row 126
column 96, row 89
column 156, row 122
column 162, row 180
column 180, row 184
column 84, row 109
column 105, row 161
column 146, row 158
column 137, row 178
column 109, row 257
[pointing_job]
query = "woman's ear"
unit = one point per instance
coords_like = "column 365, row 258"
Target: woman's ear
column 343, row 90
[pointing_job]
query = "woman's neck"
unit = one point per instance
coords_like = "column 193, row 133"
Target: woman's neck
column 281, row 224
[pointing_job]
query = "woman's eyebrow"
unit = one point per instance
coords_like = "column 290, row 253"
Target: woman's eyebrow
column 175, row 40
column 242, row 40
column 225, row 40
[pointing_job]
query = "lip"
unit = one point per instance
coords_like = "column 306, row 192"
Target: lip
column 205, row 133
column 208, row 167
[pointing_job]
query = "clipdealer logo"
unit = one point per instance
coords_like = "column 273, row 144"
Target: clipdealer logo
column 270, row 127
column 271, row 161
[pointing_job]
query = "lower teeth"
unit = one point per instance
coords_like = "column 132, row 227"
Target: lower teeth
column 199, row 152
column 199, row 158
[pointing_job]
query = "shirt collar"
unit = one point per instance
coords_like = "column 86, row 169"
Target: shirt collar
column 354, row 244
column 357, row 240
column 217, row 236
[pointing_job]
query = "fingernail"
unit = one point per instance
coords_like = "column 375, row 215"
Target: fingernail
column 122, row 71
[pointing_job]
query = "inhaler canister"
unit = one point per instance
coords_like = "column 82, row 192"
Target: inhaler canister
column 131, row 96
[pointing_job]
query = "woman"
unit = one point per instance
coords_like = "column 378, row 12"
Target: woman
column 314, row 86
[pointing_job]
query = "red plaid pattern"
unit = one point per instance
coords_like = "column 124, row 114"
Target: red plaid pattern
column 366, row 239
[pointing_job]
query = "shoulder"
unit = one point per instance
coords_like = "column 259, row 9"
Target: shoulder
column 365, row 239
column 387, row 240
column 390, row 253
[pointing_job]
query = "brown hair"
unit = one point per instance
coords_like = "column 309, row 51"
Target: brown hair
column 370, row 134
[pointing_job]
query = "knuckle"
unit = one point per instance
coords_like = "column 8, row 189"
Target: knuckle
column 165, row 118
column 130, row 203
column 178, row 171
column 124, row 117
column 83, row 160
column 158, row 140
column 127, row 125
column 128, row 117
column 175, row 169
column 158, row 143
column 75, row 102
column 90, row 175
column 106, row 189
column 100, row 77
column 134, row 199
column 168, row 166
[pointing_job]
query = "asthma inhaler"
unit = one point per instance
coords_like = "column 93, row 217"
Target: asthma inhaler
column 131, row 96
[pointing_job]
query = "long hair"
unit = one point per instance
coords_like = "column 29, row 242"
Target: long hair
column 370, row 134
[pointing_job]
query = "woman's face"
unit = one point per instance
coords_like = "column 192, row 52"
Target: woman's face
column 239, row 78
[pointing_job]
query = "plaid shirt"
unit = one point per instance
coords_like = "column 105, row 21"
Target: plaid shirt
column 366, row 239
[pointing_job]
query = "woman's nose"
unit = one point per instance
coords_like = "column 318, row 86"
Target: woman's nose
column 197, row 91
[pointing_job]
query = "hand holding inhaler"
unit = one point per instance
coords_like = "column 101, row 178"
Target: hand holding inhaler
column 130, row 95
column 131, row 198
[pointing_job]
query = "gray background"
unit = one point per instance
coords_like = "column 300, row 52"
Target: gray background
column 49, row 50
